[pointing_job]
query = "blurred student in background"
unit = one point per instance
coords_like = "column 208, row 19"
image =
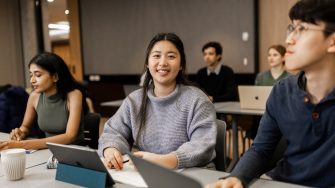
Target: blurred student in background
column 169, row 121
column 276, row 60
column 216, row 79
column 56, row 102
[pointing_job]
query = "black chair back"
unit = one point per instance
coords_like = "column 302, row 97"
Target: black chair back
column 220, row 147
column 91, row 129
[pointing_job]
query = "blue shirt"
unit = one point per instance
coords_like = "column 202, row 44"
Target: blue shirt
column 309, row 129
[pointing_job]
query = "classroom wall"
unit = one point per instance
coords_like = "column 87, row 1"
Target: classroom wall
column 17, row 48
column 116, row 44
column 11, row 65
column 273, row 21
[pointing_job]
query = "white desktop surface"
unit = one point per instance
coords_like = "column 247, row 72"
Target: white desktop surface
column 116, row 103
column 37, row 175
column 235, row 108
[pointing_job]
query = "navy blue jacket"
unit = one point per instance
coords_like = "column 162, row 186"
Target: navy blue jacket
column 13, row 102
column 221, row 87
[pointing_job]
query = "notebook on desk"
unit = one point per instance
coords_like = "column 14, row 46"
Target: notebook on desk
column 253, row 97
column 79, row 156
column 157, row 176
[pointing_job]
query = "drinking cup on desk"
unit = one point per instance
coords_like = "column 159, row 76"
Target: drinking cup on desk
column 13, row 163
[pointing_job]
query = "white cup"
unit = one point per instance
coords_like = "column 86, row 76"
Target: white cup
column 13, row 163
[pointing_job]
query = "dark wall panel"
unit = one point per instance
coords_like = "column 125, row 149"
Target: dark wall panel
column 115, row 33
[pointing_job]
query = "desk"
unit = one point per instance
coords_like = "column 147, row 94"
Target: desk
column 234, row 109
column 39, row 176
column 116, row 103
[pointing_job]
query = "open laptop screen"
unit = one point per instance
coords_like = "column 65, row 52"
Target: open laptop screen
column 254, row 97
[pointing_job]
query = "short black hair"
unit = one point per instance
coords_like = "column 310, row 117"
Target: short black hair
column 216, row 45
column 312, row 11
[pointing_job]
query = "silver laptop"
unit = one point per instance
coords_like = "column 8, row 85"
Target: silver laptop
column 254, row 97
column 157, row 176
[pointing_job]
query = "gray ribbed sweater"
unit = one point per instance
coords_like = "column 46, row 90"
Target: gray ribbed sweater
column 182, row 123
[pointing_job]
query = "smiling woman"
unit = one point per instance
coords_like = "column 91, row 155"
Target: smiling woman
column 164, row 65
column 167, row 118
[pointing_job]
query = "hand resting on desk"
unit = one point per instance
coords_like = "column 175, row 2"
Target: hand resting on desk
column 18, row 134
column 10, row 144
column 165, row 160
column 230, row 182
column 114, row 159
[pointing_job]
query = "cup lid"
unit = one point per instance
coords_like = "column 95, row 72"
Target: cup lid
column 13, row 152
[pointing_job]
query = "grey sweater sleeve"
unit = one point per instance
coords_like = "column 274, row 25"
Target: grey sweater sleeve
column 117, row 132
column 202, row 130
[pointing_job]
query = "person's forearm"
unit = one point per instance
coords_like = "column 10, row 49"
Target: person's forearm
column 41, row 143
column 250, row 166
column 170, row 160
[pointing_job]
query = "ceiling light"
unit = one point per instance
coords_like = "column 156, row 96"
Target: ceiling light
column 59, row 26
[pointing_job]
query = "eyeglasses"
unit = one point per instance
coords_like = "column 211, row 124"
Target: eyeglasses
column 299, row 29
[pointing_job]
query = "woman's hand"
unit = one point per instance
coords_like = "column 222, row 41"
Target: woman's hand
column 166, row 160
column 113, row 158
column 230, row 182
column 10, row 144
column 17, row 134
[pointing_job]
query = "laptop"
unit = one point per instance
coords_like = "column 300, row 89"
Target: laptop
column 158, row 176
column 253, row 97
column 79, row 156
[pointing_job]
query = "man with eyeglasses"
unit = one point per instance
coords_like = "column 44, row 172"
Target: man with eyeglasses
column 301, row 108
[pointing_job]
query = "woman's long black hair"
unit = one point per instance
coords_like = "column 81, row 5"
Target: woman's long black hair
column 55, row 65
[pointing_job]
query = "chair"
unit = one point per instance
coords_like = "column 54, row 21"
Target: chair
column 91, row 129
column 220, row 147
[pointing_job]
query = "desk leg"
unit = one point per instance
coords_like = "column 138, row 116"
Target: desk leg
column 235, row 145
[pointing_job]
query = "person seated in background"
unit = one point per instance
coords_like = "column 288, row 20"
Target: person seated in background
column 169, row 121
column 13, row 101
column 276, row 60
column 216, row 79
column 56, row 102
column 300, row 108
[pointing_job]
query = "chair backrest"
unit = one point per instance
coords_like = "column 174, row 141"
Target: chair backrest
column 91, row 129
column 220, row 147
